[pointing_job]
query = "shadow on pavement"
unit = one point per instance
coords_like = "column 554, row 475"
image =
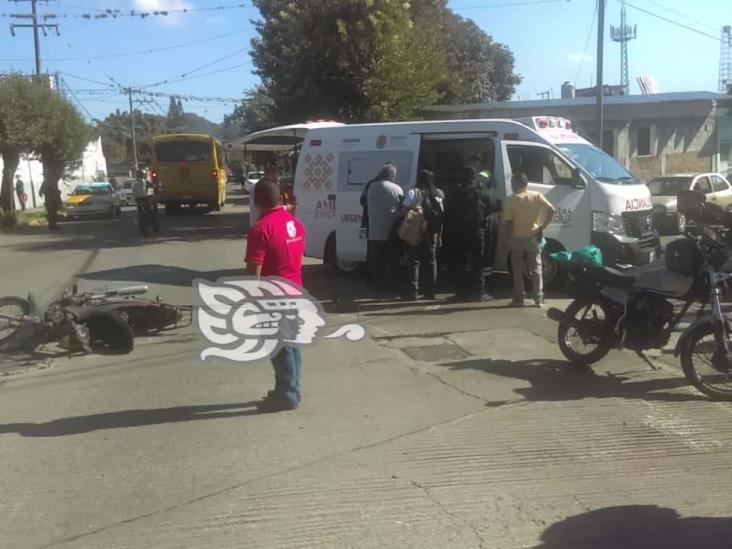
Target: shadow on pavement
column 129, row 418
column 121, row 233
column 160, row 274
column 553, row 380
column 637, row 527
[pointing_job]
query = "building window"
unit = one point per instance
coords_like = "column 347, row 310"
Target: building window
column 644, row 141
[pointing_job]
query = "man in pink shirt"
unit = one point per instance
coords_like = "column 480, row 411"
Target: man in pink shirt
column 275, row 247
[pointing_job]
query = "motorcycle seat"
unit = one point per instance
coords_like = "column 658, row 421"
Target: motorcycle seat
column 607, row 276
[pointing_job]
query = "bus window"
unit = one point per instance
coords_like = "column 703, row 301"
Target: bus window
column 183, row 151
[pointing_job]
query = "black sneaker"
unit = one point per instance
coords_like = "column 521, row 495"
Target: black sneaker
column 270, row 405
column 272, row 394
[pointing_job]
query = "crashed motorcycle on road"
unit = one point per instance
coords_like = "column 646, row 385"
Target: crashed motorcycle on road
column 636, row 310
column 77, row 321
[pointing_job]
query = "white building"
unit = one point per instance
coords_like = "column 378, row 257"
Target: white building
column 30, row 171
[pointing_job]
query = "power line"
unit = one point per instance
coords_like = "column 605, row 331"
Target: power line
column 673, row 22
column 137, row 52
column 205, row 74
column 684, row 15
column 186, row 74
column 587, row 44
column 35, row 25
column 100, row 14
column 510, row 4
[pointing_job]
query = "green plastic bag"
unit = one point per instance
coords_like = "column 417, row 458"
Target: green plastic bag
column 561, row 257
column 587, row 255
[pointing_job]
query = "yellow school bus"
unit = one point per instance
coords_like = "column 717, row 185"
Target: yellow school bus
column 190, row 169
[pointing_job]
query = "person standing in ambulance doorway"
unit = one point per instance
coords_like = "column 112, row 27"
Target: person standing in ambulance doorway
column 526, row 215
column 422, row 257
column 472, row 206
column 275, row 247
column 383, row 198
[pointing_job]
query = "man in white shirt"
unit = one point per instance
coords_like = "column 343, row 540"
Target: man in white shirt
column 383, row 198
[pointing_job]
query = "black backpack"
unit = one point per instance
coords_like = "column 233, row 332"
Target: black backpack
column 434, row 212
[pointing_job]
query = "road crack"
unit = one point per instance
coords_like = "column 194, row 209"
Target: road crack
column 446, row 511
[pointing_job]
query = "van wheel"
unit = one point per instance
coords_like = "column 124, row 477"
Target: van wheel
column 339, row 266
column 554, row 277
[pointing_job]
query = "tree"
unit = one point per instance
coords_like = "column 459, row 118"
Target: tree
column 175, row 113
column 64, row 138
column 21, row 101
column 361, row 60
column 255, row 113
column 356, row 60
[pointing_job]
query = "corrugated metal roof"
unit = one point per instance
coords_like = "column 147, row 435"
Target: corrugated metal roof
column 586, row 101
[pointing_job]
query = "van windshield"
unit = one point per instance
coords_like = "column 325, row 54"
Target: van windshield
column 601, row 165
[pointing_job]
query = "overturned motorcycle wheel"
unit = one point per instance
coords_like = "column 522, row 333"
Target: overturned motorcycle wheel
column 706, row 364
column 12, row 306
column 113, row 330
column 588, row 341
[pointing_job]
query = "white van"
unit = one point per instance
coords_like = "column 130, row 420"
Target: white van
column 597, row 200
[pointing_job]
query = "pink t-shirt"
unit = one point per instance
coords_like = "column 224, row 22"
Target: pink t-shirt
column 277, row 243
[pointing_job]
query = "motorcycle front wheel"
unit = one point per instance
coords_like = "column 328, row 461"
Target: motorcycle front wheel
column 592, row 340
column 706, row 364
column 12, row 306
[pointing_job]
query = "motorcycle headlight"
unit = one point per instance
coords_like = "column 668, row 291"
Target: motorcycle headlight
column 607, row 223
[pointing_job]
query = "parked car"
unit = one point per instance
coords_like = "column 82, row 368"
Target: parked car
column 665, row 189
column 93, row 199
column 126, row 196
column 251, row 180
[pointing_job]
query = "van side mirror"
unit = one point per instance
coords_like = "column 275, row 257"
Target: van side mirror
column 577, row 180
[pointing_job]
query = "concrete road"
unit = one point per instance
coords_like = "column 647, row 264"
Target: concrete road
column 449, row 426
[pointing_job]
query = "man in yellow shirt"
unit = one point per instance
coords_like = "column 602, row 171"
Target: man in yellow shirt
column 526, row 215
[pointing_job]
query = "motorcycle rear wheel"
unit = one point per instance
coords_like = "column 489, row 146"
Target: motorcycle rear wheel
column 113, row 330
column 585, row 350
column 705, row 365
column 12, row 306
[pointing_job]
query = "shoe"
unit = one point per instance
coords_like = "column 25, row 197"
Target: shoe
column 278, row 404
column 539, row 302
column 272, row 394
column 517, row 303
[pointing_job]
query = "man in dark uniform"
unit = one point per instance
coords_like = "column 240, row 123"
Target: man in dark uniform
column 473, row 205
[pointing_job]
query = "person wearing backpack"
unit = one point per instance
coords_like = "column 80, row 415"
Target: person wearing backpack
column 421, row 230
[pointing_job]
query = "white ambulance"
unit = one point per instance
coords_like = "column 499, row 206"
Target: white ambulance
column 597, row 200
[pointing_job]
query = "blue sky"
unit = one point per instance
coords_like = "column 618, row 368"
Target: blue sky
column 548, row 39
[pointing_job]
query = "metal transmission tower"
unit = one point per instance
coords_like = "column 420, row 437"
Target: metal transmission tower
column 624, row 34
column 725, row 59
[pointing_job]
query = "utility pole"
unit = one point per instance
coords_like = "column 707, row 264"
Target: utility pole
column 36, row 26
column 600, row 84
column 128, row 91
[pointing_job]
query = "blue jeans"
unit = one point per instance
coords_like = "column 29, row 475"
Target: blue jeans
column 287, row 364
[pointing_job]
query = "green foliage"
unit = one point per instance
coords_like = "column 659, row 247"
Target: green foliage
column 175, row 114
column 361, row 60
column 351, row 60
column 21, row 125
column 255, row 113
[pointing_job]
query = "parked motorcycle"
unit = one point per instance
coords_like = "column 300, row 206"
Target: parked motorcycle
column 635, row 310
column 76, row 321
